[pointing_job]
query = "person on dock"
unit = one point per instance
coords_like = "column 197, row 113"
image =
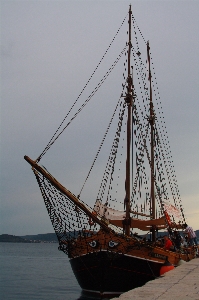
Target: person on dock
column 191, row 235
column 177, row 239
column 167, row 243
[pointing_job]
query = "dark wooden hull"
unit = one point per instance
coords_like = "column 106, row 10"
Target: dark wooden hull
column 111, row 273
column 103, row 260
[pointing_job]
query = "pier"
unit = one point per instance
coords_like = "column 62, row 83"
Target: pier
column 181, row 283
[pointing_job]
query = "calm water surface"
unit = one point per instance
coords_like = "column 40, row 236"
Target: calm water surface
column 36, row 271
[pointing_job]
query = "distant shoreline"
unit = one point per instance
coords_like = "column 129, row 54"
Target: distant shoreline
column 39, row 238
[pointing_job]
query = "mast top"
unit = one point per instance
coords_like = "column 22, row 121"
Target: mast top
column 130, row 11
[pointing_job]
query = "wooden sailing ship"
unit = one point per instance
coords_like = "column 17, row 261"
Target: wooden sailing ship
column 106, row 254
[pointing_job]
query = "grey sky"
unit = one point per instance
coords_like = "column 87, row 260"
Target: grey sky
column 48, row 51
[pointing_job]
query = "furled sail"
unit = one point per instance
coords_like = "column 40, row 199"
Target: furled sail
column 107, row 212
column 117, row 218
column 172, row 213
column 172, row 210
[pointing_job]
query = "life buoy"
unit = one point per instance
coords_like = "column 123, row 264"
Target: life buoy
column 167, row 218
column 166, row 267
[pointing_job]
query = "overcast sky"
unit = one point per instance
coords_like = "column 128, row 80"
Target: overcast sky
column 48, row 51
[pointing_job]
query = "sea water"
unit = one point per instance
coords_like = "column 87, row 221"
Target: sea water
column 36, row 271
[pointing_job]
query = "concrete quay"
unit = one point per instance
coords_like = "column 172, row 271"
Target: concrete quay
column 181, row 283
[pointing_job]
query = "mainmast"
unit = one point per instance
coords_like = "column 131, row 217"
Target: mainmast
column 128, row 100
column 151, row 121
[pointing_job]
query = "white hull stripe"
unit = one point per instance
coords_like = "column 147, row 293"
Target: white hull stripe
column 122, row 254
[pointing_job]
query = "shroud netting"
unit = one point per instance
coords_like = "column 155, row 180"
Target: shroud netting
column 68, row 220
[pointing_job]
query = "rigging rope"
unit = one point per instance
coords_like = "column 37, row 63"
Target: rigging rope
column 163, row 147
column 100, row 147
column 160, row 134
column 52, row 140
column 84, row 104
column 112, row 158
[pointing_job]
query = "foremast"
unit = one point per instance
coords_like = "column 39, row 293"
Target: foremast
column 151, row 122
column 128, row 100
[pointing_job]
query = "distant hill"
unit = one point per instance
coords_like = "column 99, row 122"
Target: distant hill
column 8, row 238
column 46, row 237
column 165, row 232
column 39, row 238
column 160, row 234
